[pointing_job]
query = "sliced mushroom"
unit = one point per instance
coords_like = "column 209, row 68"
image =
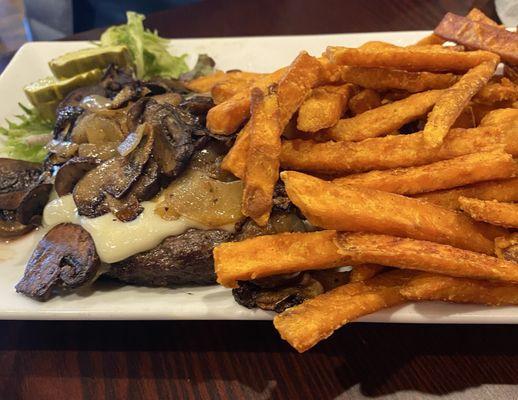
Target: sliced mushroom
column 71, row 172
column 62, row 148
column 65, row 259
column 198, row 105
column 116, row 78
column 9, row 227
column 114, row 177
column 126, row 170
column 174, row 144
column 101, row 152
column 16, row 177
column 31, row 207
column 171, row 98
column 128, row 93
column 163, row 85
column 24, row 190
column 148, row 184
column 278, row 299
column 126, row 209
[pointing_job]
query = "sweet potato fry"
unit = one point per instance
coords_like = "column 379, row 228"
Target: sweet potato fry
column 204, row 84
column 416, row 58
column 363, row 272
column 478, row 16
column 382, row 120
column 477, row 35
column 504, row 118
column 292, row 252
column 453, row 100
column 340, row 158
column 506, row 247
column 236, row 82
column 351, row 208
column 424, row 256
column 385, row 79
column 235, row 159
column 511, row 72
column 363, row 101
column 303, row 74
column 225, row 118
column 475, row 15
column 497, row 92
column 491, row 211
column 262, row 167
column 458, row 171
column 305, row 325
column 459, row 290
column 430, row 39
column 323, row 108
column 502, row 190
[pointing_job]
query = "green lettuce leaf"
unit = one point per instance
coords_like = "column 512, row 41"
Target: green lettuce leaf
column 148, row 50
column 25, row 139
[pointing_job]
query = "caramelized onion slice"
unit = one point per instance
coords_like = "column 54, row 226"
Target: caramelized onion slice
column 203, row 199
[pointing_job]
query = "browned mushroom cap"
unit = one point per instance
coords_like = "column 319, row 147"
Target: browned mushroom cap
column 198, row 105
column 173, row 130
column 11, row 228
column 31, row 207
column 65, row 259
column 24, row 191
column 115, row 177
column 16, row 177
column 71, row 172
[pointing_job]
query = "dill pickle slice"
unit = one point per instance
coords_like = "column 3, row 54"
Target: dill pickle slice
column 78, row 62
column 50, row 89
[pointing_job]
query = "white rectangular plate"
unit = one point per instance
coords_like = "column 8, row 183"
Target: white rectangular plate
column 114, row 301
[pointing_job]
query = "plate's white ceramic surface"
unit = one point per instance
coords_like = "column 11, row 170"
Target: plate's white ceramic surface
column 113, row 301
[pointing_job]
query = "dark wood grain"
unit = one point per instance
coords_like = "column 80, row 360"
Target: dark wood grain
column 247, row 360
column 232, row 360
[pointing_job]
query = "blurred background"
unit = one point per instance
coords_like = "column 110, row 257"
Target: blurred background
column 27, row 20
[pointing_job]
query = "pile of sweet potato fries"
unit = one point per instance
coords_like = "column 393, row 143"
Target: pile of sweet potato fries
column 401, row 158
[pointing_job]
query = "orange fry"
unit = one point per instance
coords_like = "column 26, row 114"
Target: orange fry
column 496, row 92
column 262, row 167
column 459, row 290
column 453, row 100
column 502, row 190
column 506, row 247
column 504, row 118
column 384, row 79
column 430, row 39
column 323, row 108
column 445, row 174
column 426, row 256
column 204, row 84
column 390, row 151
column 385, row 119
column 363, row 272
column 479, row 36
column 302, row 75
column 292, row 252
column 351, row 208
column 226, row 118
column 236, row 82
column 365, row 100
column 305, row 325
column 410, row 58
column 475, row 15
column 491, row 211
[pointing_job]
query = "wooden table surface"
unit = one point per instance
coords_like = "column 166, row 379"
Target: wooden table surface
column 232, row 359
